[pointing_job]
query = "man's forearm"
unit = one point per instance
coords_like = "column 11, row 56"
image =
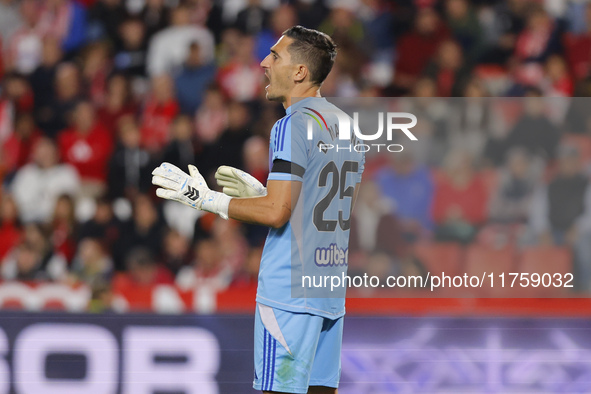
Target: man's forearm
column 263, row 211
column 272, row 210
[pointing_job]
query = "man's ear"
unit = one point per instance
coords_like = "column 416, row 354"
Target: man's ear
column 301, row 73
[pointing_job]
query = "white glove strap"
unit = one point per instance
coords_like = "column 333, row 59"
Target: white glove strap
column 217, row 203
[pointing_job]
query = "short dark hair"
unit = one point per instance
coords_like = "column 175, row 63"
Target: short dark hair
column 314, row 49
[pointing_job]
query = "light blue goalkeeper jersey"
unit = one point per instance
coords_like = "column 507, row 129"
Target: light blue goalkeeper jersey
column 313, row 245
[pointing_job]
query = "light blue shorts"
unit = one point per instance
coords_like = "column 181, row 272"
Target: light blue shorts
column 295, row 350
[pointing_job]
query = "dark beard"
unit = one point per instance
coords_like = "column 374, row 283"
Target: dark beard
column 280, row 99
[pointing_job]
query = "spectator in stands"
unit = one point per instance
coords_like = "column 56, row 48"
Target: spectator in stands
column 557, row 81
column 63, row 227
column 416, row 48
column 374, row 228
column 143, row 273
column 577, row 47
column 432, row 123
column 560, row 211
column 228, row 45
column 24, row 45
column 159, row 110
column 518, row 180
column 92, row 265
column 373, row 214
column 343, row 26
column 96, row 67
column 145, row 229
column 535, row 43
column 155, row 16
column 103, row 225
column 130, row 56
column 192, row 81
column 282, row 18
column 240, row 79
column 17, row 97
column 102, row 299
column 256, row 162
column 168, row 49
column 65, row 20
column 229, row 150
column 23, row 265
column 506, row 20
column 348, row 67
column 460, row 201
column 68, row 93
column 10, row 20
column 180, row 150
column 410, row 189
column 118, row 103
column 231, row 241
column 253, row 18
column 207, row 270
column 176, row 251
column 34, row 258
column 104, row 19
column 533, row 130
column 267, row 115
column 37, row 186
column 311, row 14
column 143, row 270
column 247, row 276
column 212, row 117
column 449, row 69
column 465, row 27
column 472, row 120
column 87, row 146
column 18, row 148
column 130, row 166
column 577, row 119
column 43, row 79
column 10, row 228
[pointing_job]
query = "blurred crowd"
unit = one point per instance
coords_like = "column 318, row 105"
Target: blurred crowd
column 96, row 93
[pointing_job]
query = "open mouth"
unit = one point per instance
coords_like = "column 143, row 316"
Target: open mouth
column 269, row 78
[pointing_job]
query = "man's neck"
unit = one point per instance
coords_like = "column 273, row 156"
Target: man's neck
column 313, row 91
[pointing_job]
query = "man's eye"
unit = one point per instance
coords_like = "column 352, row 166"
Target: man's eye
column 274, row 56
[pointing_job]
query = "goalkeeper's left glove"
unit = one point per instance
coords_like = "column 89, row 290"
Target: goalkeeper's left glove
column 237, row 183
column 190, row 190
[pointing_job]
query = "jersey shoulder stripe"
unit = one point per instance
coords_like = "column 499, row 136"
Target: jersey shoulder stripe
column 283, row 128
column 319, row 115
column 276, row 133
column 278, row 127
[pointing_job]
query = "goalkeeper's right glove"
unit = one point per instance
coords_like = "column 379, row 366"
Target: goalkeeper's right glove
column 237, row 183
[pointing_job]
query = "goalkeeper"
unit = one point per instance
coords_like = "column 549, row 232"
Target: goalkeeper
column 307, row 203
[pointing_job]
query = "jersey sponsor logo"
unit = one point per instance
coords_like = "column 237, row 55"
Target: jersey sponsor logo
column 192, row 193
column 333, row 256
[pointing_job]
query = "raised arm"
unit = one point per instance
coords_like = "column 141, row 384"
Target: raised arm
column 273, row 209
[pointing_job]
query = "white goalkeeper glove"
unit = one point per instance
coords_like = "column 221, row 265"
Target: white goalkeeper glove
column 237, row 183
column 190, row 190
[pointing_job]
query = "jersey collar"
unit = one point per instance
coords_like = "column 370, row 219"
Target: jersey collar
column 301, row 103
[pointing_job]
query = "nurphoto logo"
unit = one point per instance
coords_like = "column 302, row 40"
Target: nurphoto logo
column 342, row 131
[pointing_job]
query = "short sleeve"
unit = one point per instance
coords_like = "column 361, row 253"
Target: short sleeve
column 289, row 144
